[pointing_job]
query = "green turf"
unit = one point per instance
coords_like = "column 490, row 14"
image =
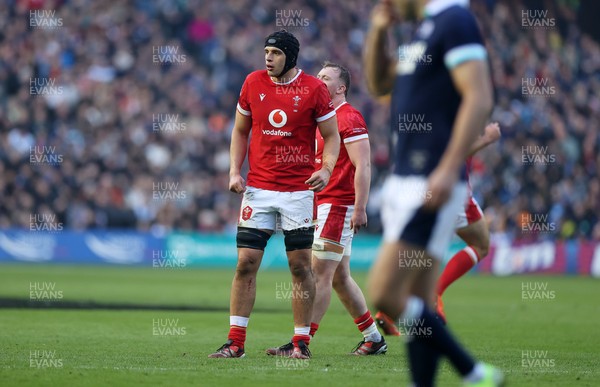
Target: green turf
column 103, row 347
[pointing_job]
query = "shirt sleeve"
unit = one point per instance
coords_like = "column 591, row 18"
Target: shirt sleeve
column 464, row 42
column 323, row 104
column 353, row 129
column 243, row 105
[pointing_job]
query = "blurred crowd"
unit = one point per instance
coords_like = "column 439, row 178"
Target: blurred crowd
column 546, row 167
column 118, row 114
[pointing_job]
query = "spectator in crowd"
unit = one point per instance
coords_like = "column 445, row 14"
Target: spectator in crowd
column 122, row 68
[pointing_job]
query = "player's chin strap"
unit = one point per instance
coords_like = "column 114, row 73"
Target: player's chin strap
column 287, row 67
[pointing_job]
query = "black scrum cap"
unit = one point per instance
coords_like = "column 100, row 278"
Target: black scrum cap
column 286, row 42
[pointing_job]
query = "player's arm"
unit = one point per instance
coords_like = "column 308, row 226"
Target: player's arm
column 380, row 69
column 238, row 150
column 359, row 153
column 491, row 135
column 472, row 81
column 331, row 149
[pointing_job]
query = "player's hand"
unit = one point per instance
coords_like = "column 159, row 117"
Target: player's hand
column 439, row 188
column 492, row 132
column 383, row 15
column 318, row 180
column 358, row 220
column 237, row 183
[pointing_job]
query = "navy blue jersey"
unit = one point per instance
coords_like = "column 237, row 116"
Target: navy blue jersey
column 424, row 99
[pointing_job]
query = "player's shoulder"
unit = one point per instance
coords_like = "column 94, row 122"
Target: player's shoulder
column 350, row 120
column 349, row 112
column 456, row 27
column 456, row 18
column 456, row 11
column 310, row 80
column 347, row 108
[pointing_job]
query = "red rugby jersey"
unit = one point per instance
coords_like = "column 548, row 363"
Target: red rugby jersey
column 284, row 121
column 352, row 127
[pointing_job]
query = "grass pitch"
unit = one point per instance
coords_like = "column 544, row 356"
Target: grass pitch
column 548, row 336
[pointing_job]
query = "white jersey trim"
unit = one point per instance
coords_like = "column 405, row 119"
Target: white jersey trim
column 326, row 116
column 288, row 82
column 356, row 138
column 464, row 53
column 244, row 112
column 340, row 105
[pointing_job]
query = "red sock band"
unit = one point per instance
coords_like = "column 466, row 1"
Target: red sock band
column 458, row 266
column 364, row 321
column 297, row 338
column 238, row 335
column 313, row 328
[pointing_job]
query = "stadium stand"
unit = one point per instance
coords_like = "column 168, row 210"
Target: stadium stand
column 107, row 154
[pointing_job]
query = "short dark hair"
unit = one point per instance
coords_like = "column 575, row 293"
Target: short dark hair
column 344, row 74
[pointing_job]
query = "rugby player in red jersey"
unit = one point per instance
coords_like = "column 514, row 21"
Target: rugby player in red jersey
column 282, row 107
column 341, row 213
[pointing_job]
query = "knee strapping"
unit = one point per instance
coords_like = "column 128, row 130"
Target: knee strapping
column 299, row 239
column 251, row 238
column 320, row 250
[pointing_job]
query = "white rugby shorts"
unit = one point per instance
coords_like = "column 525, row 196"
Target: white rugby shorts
column 404, row 218
column 264, row 209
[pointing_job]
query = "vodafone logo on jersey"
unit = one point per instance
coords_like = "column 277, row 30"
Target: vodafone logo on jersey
column 277, row 118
